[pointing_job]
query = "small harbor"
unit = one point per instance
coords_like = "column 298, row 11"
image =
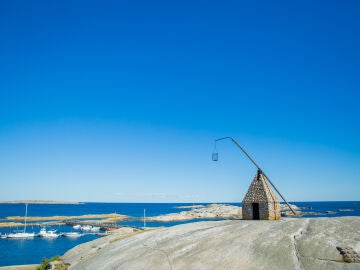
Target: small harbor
column 78, row 228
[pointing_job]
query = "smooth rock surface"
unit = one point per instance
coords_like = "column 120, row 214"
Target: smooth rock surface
column 301, row 243
column 209, row 211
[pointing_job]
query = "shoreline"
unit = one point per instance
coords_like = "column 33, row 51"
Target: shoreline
column 20, row 267
column 122, row 235
column 193, row 212
column 247, row 253
column 13, row 221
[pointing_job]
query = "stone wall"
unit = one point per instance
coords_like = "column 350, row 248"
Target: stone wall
column 267, row 211
column 247, row 211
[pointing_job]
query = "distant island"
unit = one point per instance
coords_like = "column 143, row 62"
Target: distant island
column 38, row 202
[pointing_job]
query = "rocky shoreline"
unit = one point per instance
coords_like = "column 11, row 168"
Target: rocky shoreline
column 306, row 243
column 339, row 232
column 16, row 221
column 221, row 211
column 208, row 211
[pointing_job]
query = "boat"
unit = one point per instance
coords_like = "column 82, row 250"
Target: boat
column 95, row 229
column 77, row 227
column 22, row 234
column 86, row 228
column 48, row 234
column 72, row 234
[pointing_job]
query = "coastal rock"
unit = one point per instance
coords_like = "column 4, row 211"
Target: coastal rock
column 209, row 211
column 289, row 213
column 349, row 255
column 57, row 265
column 286, row 211
column 285, row 207
column 104, row 217
column 10, row 224
column 306, row 243
column 298, row 213
column 190, row 206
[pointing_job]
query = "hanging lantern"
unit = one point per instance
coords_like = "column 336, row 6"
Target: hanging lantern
column 215, row 156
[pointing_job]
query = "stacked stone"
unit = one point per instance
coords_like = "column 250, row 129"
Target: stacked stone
column 261, row 193
column 349, row 255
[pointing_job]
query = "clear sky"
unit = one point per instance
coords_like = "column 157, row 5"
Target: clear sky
column 120, row 101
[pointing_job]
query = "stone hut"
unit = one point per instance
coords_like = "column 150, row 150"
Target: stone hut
column 260, row 201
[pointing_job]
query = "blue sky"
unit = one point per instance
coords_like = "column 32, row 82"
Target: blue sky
column 120, row 101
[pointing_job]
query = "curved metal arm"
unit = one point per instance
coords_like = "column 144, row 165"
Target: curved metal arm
column 257, row 166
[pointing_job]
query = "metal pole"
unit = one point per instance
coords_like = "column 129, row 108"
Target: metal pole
column 26, row 207
column 144, row 218
column 257, row 166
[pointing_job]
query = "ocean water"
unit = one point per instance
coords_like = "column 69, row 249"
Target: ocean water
column 32, row 251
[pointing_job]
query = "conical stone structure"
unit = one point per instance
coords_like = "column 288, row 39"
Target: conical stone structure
column 260, row 201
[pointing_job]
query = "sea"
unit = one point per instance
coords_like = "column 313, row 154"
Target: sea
column 32, row 251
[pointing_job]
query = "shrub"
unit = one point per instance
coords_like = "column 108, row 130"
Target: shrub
column 44, row 264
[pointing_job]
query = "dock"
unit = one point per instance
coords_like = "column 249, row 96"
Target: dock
column 103, row 226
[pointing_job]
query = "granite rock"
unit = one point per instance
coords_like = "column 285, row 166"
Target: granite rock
column 290, row 243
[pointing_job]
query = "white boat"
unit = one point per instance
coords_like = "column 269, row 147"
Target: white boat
column 95, row 229
column 77, row 227
column 86, row 228
column 48, row 234
column 72, row 234
column 22, row 234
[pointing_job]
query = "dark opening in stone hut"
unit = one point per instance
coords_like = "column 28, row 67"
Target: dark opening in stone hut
column 260, row 201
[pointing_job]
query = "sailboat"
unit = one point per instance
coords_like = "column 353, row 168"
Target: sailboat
column 23, row 234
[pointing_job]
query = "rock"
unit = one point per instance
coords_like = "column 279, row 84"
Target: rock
column 285, row 207
column 57, row 265
column 349, row 255
column 218, row 211
column 190, row 206
column 286, row 212
column 209, row 211
column 290, row 213
column 302, row 243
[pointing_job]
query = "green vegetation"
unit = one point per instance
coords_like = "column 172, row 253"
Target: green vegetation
column 46, row 263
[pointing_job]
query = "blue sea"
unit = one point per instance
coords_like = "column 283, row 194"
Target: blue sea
column 32, row 251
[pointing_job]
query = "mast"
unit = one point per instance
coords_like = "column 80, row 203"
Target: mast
column 26, row 206
column 144, row 218
column 257, row 166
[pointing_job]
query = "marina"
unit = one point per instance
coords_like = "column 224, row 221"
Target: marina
column 33, row 250
column 87, row 228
